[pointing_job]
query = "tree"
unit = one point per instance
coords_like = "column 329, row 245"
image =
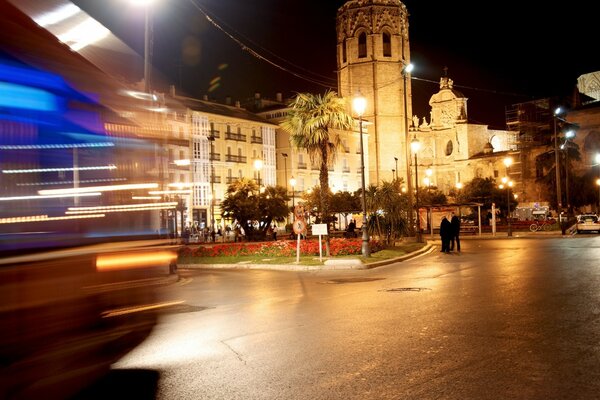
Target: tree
column 253, row 210
column 311, row 123
column 432, row 195
column 387, row 210
column 486, row 191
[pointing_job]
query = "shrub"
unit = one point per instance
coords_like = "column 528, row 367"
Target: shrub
column 279, row 248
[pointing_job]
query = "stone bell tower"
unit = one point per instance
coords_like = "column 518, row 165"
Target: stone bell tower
column 372, row 52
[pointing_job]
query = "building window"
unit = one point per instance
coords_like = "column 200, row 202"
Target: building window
column 449, row 148
column 387, row 44
column 362, row 45
column 344, row 55
column 496, row 173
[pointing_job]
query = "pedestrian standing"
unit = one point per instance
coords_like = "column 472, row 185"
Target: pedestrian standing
column 445, row 233
column 455, row 230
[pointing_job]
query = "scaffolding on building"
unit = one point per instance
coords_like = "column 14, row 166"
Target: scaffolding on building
column 531, row 123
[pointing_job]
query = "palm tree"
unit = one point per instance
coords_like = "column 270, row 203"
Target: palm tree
column 310, row 123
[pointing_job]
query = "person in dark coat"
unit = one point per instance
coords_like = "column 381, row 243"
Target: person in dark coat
column 446, row 234
column 455, row 229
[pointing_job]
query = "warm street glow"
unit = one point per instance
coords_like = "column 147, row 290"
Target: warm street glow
column 111, row 262
column 428, row 172
column 54, row 196
column 293, row 182
column 182, row 163
column 409, row 68
column 598, row 182
column 359, row 105
column 258, row 164
column 426, row 181
column 170, row 192
column 35, row 170
column 459, row 185
column 508, row 161
column 42, row 218
column 124, row 207
column 415, row 145
column 107, row 188
column 504, row 179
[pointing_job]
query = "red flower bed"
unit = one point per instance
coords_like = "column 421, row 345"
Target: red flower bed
column 279, row 248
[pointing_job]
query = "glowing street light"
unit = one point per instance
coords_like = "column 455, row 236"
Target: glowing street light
column 359, row 105
column 408, row 68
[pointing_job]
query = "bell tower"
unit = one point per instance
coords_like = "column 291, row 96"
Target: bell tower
column 372, row 53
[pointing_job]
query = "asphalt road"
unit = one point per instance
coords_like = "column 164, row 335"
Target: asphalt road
column 504, row 319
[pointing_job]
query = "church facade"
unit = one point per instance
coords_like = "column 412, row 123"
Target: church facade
column 373, row 52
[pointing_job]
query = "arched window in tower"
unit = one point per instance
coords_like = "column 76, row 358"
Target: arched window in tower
column 449, row 148
column 362, row 45
column 387, row 44
column 344, row 55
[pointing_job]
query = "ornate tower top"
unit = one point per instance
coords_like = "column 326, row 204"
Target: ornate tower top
column 383, row 14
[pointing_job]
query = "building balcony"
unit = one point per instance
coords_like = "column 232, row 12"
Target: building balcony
column 215, row 156
column 302, row 165
column 234, row 158
column 215, row 179
column 235, row 136
column 256, row 139
column 231, row 179
column 346, row 170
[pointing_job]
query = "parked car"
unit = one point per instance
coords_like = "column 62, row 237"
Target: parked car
column 588, row 223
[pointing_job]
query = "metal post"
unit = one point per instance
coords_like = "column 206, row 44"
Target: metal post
column 557, row 168
column 508, row 204
column 366, row 252
column 211, row 139
column 417, row 199
column 147, row 49
column 407, row 156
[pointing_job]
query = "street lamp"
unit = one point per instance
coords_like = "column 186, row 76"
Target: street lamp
column 405, row 71
column 598, row 180
column 557, row 111
column 570, row 134
column 508, row 162
column 258, row 164
column 359, row 104
column 396, row 160
column 415, row 146
column 393, row 174
column 293, row 185
column 211, row 139
column 147, row 40
column 428, row 173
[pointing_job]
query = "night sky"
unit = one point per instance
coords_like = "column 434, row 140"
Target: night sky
column 497, row 53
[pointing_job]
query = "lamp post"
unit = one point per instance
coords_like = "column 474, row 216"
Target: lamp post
column 393, row 174
column 568, row 135
column 396, row 160
column 405, row 71
column 508, row 162
column 258, row 164
column 147, row 41
column 415, row 146
column 598, row 180
column 293, row 185
column 359, row 104
column 557, row 162
column 285, row 156
column 211, row 140
column 428, row 173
